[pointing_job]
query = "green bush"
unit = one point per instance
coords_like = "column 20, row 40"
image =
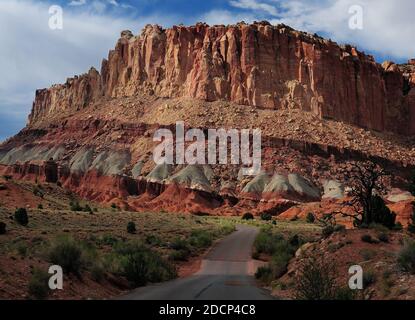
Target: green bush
column 295, row 241
column 2, row 228
column 21, row 217
column 279, row 263
column 38, row 285
column 248, row 216
column 140, row 265
column 316, row 280
column 97, row 272
column 87, row 208
column 367, row 238
column 153, row 240
column 310, row 218
column 369, row 278
column 281, row 252
column 327, row 231
column 131, row 227
column 75, row 206
column 179, row 255
column 200, row 239
column 339, row 228
column 38, row 192
column 383, row 237
column 398, row 226
column 66, row 253
column 367, row 254
column 406, row 257
column 345, row 294
column 266, row 216
column 179, row 244
column 264, row 274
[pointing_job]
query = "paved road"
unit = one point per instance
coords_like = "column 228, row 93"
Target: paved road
column 226, row 273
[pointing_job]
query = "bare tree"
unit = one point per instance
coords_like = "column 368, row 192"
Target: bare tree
column 366, row 180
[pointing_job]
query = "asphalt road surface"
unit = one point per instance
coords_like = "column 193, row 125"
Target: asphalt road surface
column 226, row 273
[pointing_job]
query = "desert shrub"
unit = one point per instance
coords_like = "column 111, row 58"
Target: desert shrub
column 345, row 294
column 179, row 255
column 227, row 228
column 153, row 240
column 281, row 252
column 367, row 254
column 200, row 214
column 114, row 206
column 316, row 280
column 38, row 192
column 2, row 187
column 248, row 216
column 406, row 257
column 7, row 177
column 66, row 253
column 21, row 217
column 310, row 218
column 264, row 274
column 369, row 278
column 327, row 231
column 38, row 284
column 108, row 240
column 383, row 237
column 368, row 238
column 179, row 244
column 59, row 184
column 279, row 263
column 398, row 226
column 22, row 249
column 295, row 241
column 266, row 216
column 131, row 227
column 266, row 241
column 40, row 206
column 140, row 265
column 97, row 272
column 200, row 239
column 75, row 206
column 2, row 228
column 339, row 228
column 87, row 208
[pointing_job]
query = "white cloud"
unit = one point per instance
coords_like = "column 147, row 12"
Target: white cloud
column 226, row 17
column 389, row 26
column 33, row 56
column 113, row 2
column 77, row 3
column 254, row 5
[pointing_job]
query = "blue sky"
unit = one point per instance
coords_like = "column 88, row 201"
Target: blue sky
column 33, row 56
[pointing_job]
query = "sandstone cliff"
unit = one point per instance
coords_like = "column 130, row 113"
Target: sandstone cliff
column 260, row 65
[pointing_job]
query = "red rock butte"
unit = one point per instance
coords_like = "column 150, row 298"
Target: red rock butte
column 259, row 65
